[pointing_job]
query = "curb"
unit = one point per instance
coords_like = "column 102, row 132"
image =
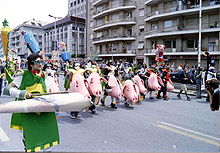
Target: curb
column 189, row 93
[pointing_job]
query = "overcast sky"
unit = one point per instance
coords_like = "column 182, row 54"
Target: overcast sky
column 18, row 11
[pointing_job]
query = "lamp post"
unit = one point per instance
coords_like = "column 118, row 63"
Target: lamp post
column 55, row 18
column 200, row 33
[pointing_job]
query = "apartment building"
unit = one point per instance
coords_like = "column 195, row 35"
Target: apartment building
column 16, row 40
column 77, row 8
column 130, row 30
column 176, row 25
column 71, row 31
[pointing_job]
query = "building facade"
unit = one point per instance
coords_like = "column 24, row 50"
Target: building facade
column 77, row 8
column 127, row 29
column 16, row 40
column 69, row 30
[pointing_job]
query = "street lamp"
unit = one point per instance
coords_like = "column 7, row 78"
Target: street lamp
column 200, row 33
column 55, row 18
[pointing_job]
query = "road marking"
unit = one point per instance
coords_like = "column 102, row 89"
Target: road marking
column 189, row 135
column 181, row 128
column 3, row 135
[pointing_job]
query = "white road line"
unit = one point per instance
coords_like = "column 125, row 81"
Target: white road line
column 3, row 135
column 198, row 133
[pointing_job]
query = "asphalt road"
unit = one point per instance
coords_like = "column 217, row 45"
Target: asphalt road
column 152, row 126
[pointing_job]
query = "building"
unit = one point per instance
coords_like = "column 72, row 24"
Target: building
column 176, row 24
column 77, row 8
column 69, row 30
column 16, row 40
column 130, row 30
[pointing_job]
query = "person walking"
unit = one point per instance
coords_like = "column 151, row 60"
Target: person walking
column 183, row 79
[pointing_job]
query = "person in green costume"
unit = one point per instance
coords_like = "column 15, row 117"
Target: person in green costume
column 40, row 130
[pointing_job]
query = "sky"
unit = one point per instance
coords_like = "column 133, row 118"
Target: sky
column 18, row 11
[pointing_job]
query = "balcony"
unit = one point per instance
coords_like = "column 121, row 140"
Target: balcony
column 150, row 2
column 99, row 2
column 112, row 23
column 114, row 7
column 174, row 11
column 120, row 37
column 183, row 29
column 117, row 53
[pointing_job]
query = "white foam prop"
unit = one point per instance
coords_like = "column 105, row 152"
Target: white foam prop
column 48, row 103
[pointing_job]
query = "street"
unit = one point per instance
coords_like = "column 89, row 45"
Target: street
column 152, row 126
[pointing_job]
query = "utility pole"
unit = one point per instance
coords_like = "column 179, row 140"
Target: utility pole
column 200, row 33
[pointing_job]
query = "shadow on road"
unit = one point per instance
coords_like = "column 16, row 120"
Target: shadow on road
column 68, row 119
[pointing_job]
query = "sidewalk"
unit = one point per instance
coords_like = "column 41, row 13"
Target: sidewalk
column 190, row 92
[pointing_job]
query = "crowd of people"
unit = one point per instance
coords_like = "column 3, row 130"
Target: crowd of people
column 32, row 75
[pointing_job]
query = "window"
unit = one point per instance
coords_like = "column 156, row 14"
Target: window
column 129, row 31
column 71, row 4
column 153, row 26
column 75, row 3
column 168, row 24
column 129, row 46
column 213, row 43
column 115, row 16
column 153, row 44
column 99, row 34
column 141, row 28
column 115, row 47
column 214, row 21
column 141, row 45
column 114, row 31
column 170, row 43
column 91, row 24
column 129, row 15
column 192, row 43
column 141, row 12
column 192, row 23
column 78, row 1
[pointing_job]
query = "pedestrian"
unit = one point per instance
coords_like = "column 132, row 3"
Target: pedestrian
column 40, row 130
column 199, row 82
column 183, row 79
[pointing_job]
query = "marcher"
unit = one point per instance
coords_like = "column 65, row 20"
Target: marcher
column 165, row 78
column 183, row 79
column 40, row 130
